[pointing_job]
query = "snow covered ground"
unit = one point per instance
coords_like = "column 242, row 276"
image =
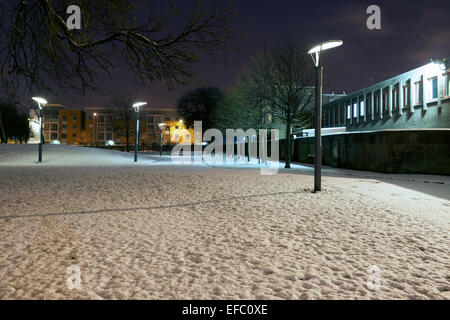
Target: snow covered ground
column 153, row 230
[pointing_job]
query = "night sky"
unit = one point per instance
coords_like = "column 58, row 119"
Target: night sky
column 412, row 32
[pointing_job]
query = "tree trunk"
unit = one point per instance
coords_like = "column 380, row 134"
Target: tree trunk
column 127, row 136
column 288, row 147
column 3, row 129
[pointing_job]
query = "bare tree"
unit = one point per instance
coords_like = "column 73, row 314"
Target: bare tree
column 38, row 51
column 286, row 75
column 121, row 110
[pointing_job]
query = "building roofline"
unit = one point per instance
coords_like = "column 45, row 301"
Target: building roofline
column 378, row 84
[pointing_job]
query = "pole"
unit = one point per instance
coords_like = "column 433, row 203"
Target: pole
column 137, row 136
column 318, row 131
column 161, row 143
column 40, row 135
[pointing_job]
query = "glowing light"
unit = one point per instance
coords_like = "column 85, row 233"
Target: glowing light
column 110, row 143
column 162, row 124
column 325, row 46
column 40, row 101
column 137, row 105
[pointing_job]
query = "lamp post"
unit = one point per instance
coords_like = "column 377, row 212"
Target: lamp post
column 161, row 128
column 41, row 103
column 136, row 107
column 315, row 54
column 94, row 134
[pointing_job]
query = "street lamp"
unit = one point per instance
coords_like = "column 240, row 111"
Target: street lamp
column 94, row 134
column 161, row 125
column 41, row 103
column 136, row 107
column 315, row 55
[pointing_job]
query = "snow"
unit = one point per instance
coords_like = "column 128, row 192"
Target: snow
column 154, row 230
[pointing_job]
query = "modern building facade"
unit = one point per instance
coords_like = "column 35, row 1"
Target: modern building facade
column 419, row 98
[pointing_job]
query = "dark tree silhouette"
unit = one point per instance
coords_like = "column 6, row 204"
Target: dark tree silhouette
column 38, row 51
column 199, row 105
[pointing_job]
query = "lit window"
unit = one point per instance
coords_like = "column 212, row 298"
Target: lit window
column 406, row 95
column 355, row 110
column 349, row 112
column 419, row 92
column 395, row 98
column 385, row 101
column 447, row 85
column 434, row 88
column 361, row 108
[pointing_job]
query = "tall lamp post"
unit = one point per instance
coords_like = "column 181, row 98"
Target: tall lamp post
column 315, row 54
column 161, row 128
column 94, row 126
column 136, row 107
column 41, row 103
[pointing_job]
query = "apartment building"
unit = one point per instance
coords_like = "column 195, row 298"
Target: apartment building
column 107, row 126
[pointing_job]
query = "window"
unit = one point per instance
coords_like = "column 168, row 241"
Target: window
column 406, row 94
column 109, row 128
column 376, row 100
column 342, row 114
column 101, row 127
column 108, row 118
column 54, row 136
column 349, row 112
column 385, row 101
column 368, row 106
column 446, row 85
column 74, row 118
column 434, row 88
column 74, row 126
column 74, row 135
column 355, row 110
column 54, row 127
column 361, row 108
column 151, row 119
column 63, row 135
column 64, row 118
column 109, row 136
column 101, row 136
column 419, row 92
column 101, row 118
column 64, row 126
column 46, row 126
column 395, row 98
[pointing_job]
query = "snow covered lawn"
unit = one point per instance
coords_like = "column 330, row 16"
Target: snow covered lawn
column 153, row 230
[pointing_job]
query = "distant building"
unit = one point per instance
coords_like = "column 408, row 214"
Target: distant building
column 416, row 99
column 104, row 126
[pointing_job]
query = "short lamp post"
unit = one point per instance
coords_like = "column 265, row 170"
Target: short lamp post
column 136, row 107
column 41, row 103
column 161, row 128
column 315, row 54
